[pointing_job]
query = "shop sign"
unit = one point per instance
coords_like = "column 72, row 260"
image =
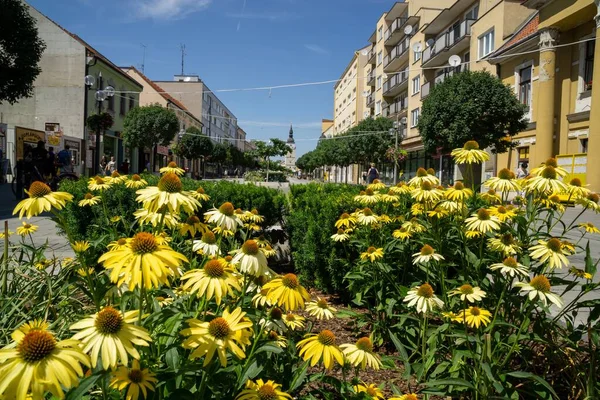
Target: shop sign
column 26, row 136
column 162, row 150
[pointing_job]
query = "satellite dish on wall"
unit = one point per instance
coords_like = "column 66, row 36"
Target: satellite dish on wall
column 365, row 93
column 187, row 79
column 408, row 30
column 417, row 47
column 454, row 61
column 364, row 52
column 430, row 42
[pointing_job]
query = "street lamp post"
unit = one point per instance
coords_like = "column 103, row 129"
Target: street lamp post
column 396, row 131
column 100, row 95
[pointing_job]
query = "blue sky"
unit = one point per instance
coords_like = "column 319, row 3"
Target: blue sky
column 235, row 44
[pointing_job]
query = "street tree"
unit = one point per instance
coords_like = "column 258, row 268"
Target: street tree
column 471, row 106
column 194, row 144
column 20, row 51
column 149, row 126
column 369, row 140
column 275, row 148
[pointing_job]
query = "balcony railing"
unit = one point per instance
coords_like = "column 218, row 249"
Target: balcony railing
column 397, row 51
column 425, row 88
column 370, row 99
column 396, row 80
column 371, row 56
column 395, row 107
column 371, row 77
column 447, row 40
column 397, row 24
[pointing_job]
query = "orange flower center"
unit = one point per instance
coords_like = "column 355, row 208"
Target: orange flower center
column 172, row 164
column 136, row 178
column 88, row 196
column 483, row 214
column 250, row 247
column 551, row 162
column 492, row 192
column 115, row 174
column 135, row 376
column 108, row 321
column 466, row 289
column 540, row 283
column 593, row 197
column 425, row 290
column 144, row 243
column 209, row 238
column 228, row 259
column 214, row 269
column 170, row 183
column 99, row 180
column 364, row 344
column 505, row 173
column 369, row 192
column 475, row 311
column 39, row 189
column 549, row 172
column 426, row 186
column 192, row 220
column 427, row 250
column 267, row 392
column 371, row 250
column 344, row 216
column 376, row 181
column 276, row 313
column 200, row 190
column 507, row 239
column 575, row 182
column 122, row 242
column 471, row 145
column 227, row 209
column 459, row 185
column 371, row 391
column 322, row 303
column 367, row 212
column 219, row 328
column 510, row 262
column 36, row 345
column 290, row 281
column 326, row 337
column 554, row 244
column 430, row 171
column 421, row 172
column 340, row 232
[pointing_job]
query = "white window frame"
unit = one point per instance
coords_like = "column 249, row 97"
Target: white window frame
column 415, row 121
column 379, row 33
column 517, row 73
column 470, row 10
column 482, row 38
column 415, row 90
column 379, row 82
column 379, row 58
column 417, row 55
column 582, row 102
column 378, row 107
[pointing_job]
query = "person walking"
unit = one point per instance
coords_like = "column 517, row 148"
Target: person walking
column 372, row 174
column 522, row 171
column 111, row 166
column 65, row 161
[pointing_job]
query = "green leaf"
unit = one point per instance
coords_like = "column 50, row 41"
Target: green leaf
column 399, row 346
column 538, row 379
column 450, row 382
column 269, row 348
column 590, row 265
column 299, row 377
column 84, row 386
column 251, row 372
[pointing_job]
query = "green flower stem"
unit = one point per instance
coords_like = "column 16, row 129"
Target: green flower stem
column 519, row 332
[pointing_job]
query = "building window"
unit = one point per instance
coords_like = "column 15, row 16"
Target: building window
column 417, row 55
column 416, row 85
column 111, row 103
column 414, row 117
column 131, row 103
column 584, row 145
column 379, row 57
column 525, row 86
column 122, row 105
column 473, row 13
column 523, row 155
column 380, row 33
column 378, row 108
column 486, row 43
column 379, row 79
column 466, row 62
column 588, row 72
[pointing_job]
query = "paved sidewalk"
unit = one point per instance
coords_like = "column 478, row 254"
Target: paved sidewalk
column 58, row 245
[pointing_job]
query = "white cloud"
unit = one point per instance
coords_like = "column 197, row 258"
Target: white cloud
column 269, row 16
column 168, row 9
column 316, row 49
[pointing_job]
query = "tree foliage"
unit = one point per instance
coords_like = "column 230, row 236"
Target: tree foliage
column 194, row 144
column 275, row 148
column 100, row 122
column 20, row 51
column 471, row 106
column 149, row 126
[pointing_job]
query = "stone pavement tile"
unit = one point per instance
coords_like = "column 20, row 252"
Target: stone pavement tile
column 47, row 232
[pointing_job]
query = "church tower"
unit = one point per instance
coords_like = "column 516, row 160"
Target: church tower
column 290, row 158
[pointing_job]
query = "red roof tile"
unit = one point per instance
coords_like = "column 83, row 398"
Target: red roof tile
column 530, row 28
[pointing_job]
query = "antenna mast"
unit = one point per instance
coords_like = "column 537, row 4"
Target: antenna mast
column 143, row 58
column 183, row 54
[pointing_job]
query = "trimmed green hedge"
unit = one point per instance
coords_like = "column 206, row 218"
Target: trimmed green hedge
column 314, row 208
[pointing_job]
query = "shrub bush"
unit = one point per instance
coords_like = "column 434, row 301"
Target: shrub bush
column 314, row 208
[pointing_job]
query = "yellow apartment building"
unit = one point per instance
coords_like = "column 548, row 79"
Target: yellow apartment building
column 550, row 62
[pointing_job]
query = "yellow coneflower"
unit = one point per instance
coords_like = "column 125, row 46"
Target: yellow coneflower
column 549, row 251
column 145, row 217
column 36, row 362
column 274, row 321
column 368, row 197
column 491, row 196
column 321, row 347
column 482, row 221
column 551, row 162
column 458, row 192
column 504, row 243
column 414, row 226
column 546, row 182
column 452, row 316
column 361, row 354
column 98, row 183
column 251, row 260
column 41, row 199
column 371, row 390
column 345, row 221
column 399, row 189
column 340, row 236
column 200, row 194
column 89, row 200
column 376, row 185
column 191, row 226
column 110, row 335
column 136, row 182
column 228, row 332
column 212, row 280
column 207, row 245
column 294, row 321
column 3, row 234
column 426, row 255
column 224, row 217
column 367, row 217
column 402, row 233
column 423, row 298
column 417, row 209
column 427, row 192
column 452, row 207
column 438, row 212
column 26, row 229
column 539, row 286
column 261, row 390
column 168, row 192
column 511, row 267
column 579, row 273
column 389, row 198
column 504, row 182
column 115, row 219
column 468, row 293
column 576, row 190
column 503, row 213
column 268, row 251
column 470, row 154
column 372, row 254
column 280, row 340
column 409, row 396
column 134, row 379
column 475, row 317
column 85, row 272
column 144, row 260
column 320, row 309
column 422, row 176
column 116, row 178
column 590, row 201
column 589, row 227
column 286, row 291
column 80, row 246
column 473, row 234
column 172, row 168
